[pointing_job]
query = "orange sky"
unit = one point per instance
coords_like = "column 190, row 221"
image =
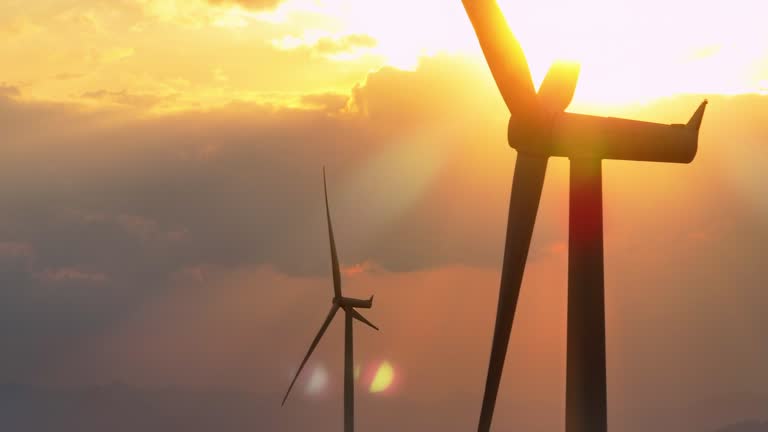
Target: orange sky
column 179, row 54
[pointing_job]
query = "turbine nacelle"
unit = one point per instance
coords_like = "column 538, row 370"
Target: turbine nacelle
column 542, row 128
column 348, row 302
column 590, row 137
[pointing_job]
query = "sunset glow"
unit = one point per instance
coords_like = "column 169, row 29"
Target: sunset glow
column 169, row 171
column 148, row 53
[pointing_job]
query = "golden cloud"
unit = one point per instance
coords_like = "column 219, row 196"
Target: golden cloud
column 259, row 5
column 327, row 46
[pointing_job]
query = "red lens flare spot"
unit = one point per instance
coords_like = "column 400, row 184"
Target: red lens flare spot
column 383, row 378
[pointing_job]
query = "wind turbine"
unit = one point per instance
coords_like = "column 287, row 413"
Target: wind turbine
column 539, row 128
column 349, row 306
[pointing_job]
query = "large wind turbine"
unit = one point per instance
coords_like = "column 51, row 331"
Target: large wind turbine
column 539, row 128
column 348, row 305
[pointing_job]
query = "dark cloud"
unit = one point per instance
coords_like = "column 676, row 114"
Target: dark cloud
column 15, row 250
column 123, row 241
column 69, row 274
column 746, row 426
column 240, row 185
column 122, row 407
column 183, row 179
column 218, row 330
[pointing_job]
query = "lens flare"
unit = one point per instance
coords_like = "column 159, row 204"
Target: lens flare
column 357, row 372
column 318, row 381
column 385, row 374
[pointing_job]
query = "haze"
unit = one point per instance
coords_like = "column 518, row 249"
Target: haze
column 163, row 252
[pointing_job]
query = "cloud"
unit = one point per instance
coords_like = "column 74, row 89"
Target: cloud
column 359, row 268
column 259, row 5
column 136, row 226
column 17, row 257
column 70, row 275
column 112, row 55
column 16, row 250
column 184, row 175
column 248, row 328
column 66, row 76
column 327, row 46
column 8, row 91
column 209, row 230
column 117, row 406
column 330, row 45
column 120, row 405
column 746, row 426
column 11, row 26
column 124, row 97
column 331, row 102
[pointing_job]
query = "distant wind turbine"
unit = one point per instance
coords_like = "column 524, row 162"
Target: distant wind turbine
column 539, row 128
column 349, row 306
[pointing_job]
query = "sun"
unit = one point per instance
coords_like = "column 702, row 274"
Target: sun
column 622, row 60
column 631, row 53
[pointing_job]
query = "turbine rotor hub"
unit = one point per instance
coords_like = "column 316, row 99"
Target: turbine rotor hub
column 530, row 136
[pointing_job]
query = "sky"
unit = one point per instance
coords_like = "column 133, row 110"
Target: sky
column 162, row 236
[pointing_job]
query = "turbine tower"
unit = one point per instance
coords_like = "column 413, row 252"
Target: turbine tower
column 349, row 306
column 539, row 128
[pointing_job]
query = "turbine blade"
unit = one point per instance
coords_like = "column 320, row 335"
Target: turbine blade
column 695, row 121
column 334, row 255
column 527, row 184
column 504, row 56
column 358, row 316
column 559, row 85
column 327, row 321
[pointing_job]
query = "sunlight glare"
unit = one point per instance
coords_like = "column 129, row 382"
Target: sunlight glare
column 629, row 52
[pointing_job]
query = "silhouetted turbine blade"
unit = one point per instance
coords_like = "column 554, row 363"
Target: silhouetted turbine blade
column 327, row 321
column 695, row 121
column 559, row 85
column 334, row 255
column 358, row 316
column 504, row 56
column 524, row 203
